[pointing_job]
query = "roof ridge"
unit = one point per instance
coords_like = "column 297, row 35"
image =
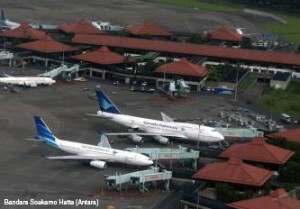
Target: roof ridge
column 243, row 166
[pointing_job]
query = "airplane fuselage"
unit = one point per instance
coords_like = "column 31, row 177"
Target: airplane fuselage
column 103, row 153
column 27, row 81
column 190, row 131
column 11, row 25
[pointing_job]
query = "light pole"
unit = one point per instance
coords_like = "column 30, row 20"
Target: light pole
column 198, row 198
column 236, row 84
column 198, row 137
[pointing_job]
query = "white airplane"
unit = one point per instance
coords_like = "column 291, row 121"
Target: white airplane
column 106, row 26
column 7, row 23
column 97, row 155
column 25, row 81
column 159, row 130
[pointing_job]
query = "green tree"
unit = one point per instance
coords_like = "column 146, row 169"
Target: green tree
column 196, row 39
column 290, row 172
column 246, row 43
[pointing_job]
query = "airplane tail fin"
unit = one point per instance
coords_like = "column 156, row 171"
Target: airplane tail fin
column 3, row 17
column 105, row 104
column 43, row 132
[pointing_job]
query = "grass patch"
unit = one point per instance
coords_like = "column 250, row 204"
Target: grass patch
column 200, row 5
column 287, row 101
column 289, row 32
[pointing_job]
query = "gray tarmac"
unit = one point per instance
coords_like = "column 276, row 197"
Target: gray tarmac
column 26, row 174
column 124, row 13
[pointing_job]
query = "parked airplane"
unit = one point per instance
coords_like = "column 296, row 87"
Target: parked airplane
column 7, row 23
column 97, row 155
column 159, row 130
column 25, row 81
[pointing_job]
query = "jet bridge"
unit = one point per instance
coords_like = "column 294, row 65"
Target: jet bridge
column 6, row 55
column 63, row 69
column 181, row 153
column 140, row 178
column 249, row 133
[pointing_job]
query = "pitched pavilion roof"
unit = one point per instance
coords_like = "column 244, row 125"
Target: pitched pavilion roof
column 226, row 34
column 258, row 150
column 147, row 28
column 188, row 49
column 101, row 56
column 234, row 171
column 25, row 32
column 46, row 45
column 278, row 199
column 182, row 67
column 292, row 135
column 82, row 26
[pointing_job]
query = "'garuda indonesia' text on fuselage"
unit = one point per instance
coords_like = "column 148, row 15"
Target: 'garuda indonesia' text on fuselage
column 97, row 155
column 159, row 130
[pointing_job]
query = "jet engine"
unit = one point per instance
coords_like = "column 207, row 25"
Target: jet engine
column 98, row 164
column 33, row 85
column 162, row 139
column 136, row 139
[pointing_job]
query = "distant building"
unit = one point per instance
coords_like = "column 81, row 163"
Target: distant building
column 225, row 34
column 148, row 29
column 281, row 80
column 82, row 26
column 258, row 150
column 255, row 60
column 24, row 32
column 278, row 199
column 291, row 135
column 234, row 171
column 194, row 75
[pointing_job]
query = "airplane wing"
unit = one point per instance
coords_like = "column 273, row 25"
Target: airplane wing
column 177, row 135
column 92, row 114
column 95, row 115
column 76, row 157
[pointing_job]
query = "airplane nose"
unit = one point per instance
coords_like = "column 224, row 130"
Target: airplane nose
column 149, row 162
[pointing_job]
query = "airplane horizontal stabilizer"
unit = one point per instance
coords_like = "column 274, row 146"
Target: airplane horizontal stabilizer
column 92, row 114
column 35, row 140
column 96, row 115
column 103, row 141
column 166, row 118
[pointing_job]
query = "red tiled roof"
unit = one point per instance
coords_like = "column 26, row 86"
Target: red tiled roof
column 258, row 150
column 147, row 28
column 24, row 31
column 102, row 56
column 234, row 171
column 226, row 34
column 82, row 26
column 188, row 49
column 292, row 135
column 182, row 67
column 46, row 45
column 278, row 199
